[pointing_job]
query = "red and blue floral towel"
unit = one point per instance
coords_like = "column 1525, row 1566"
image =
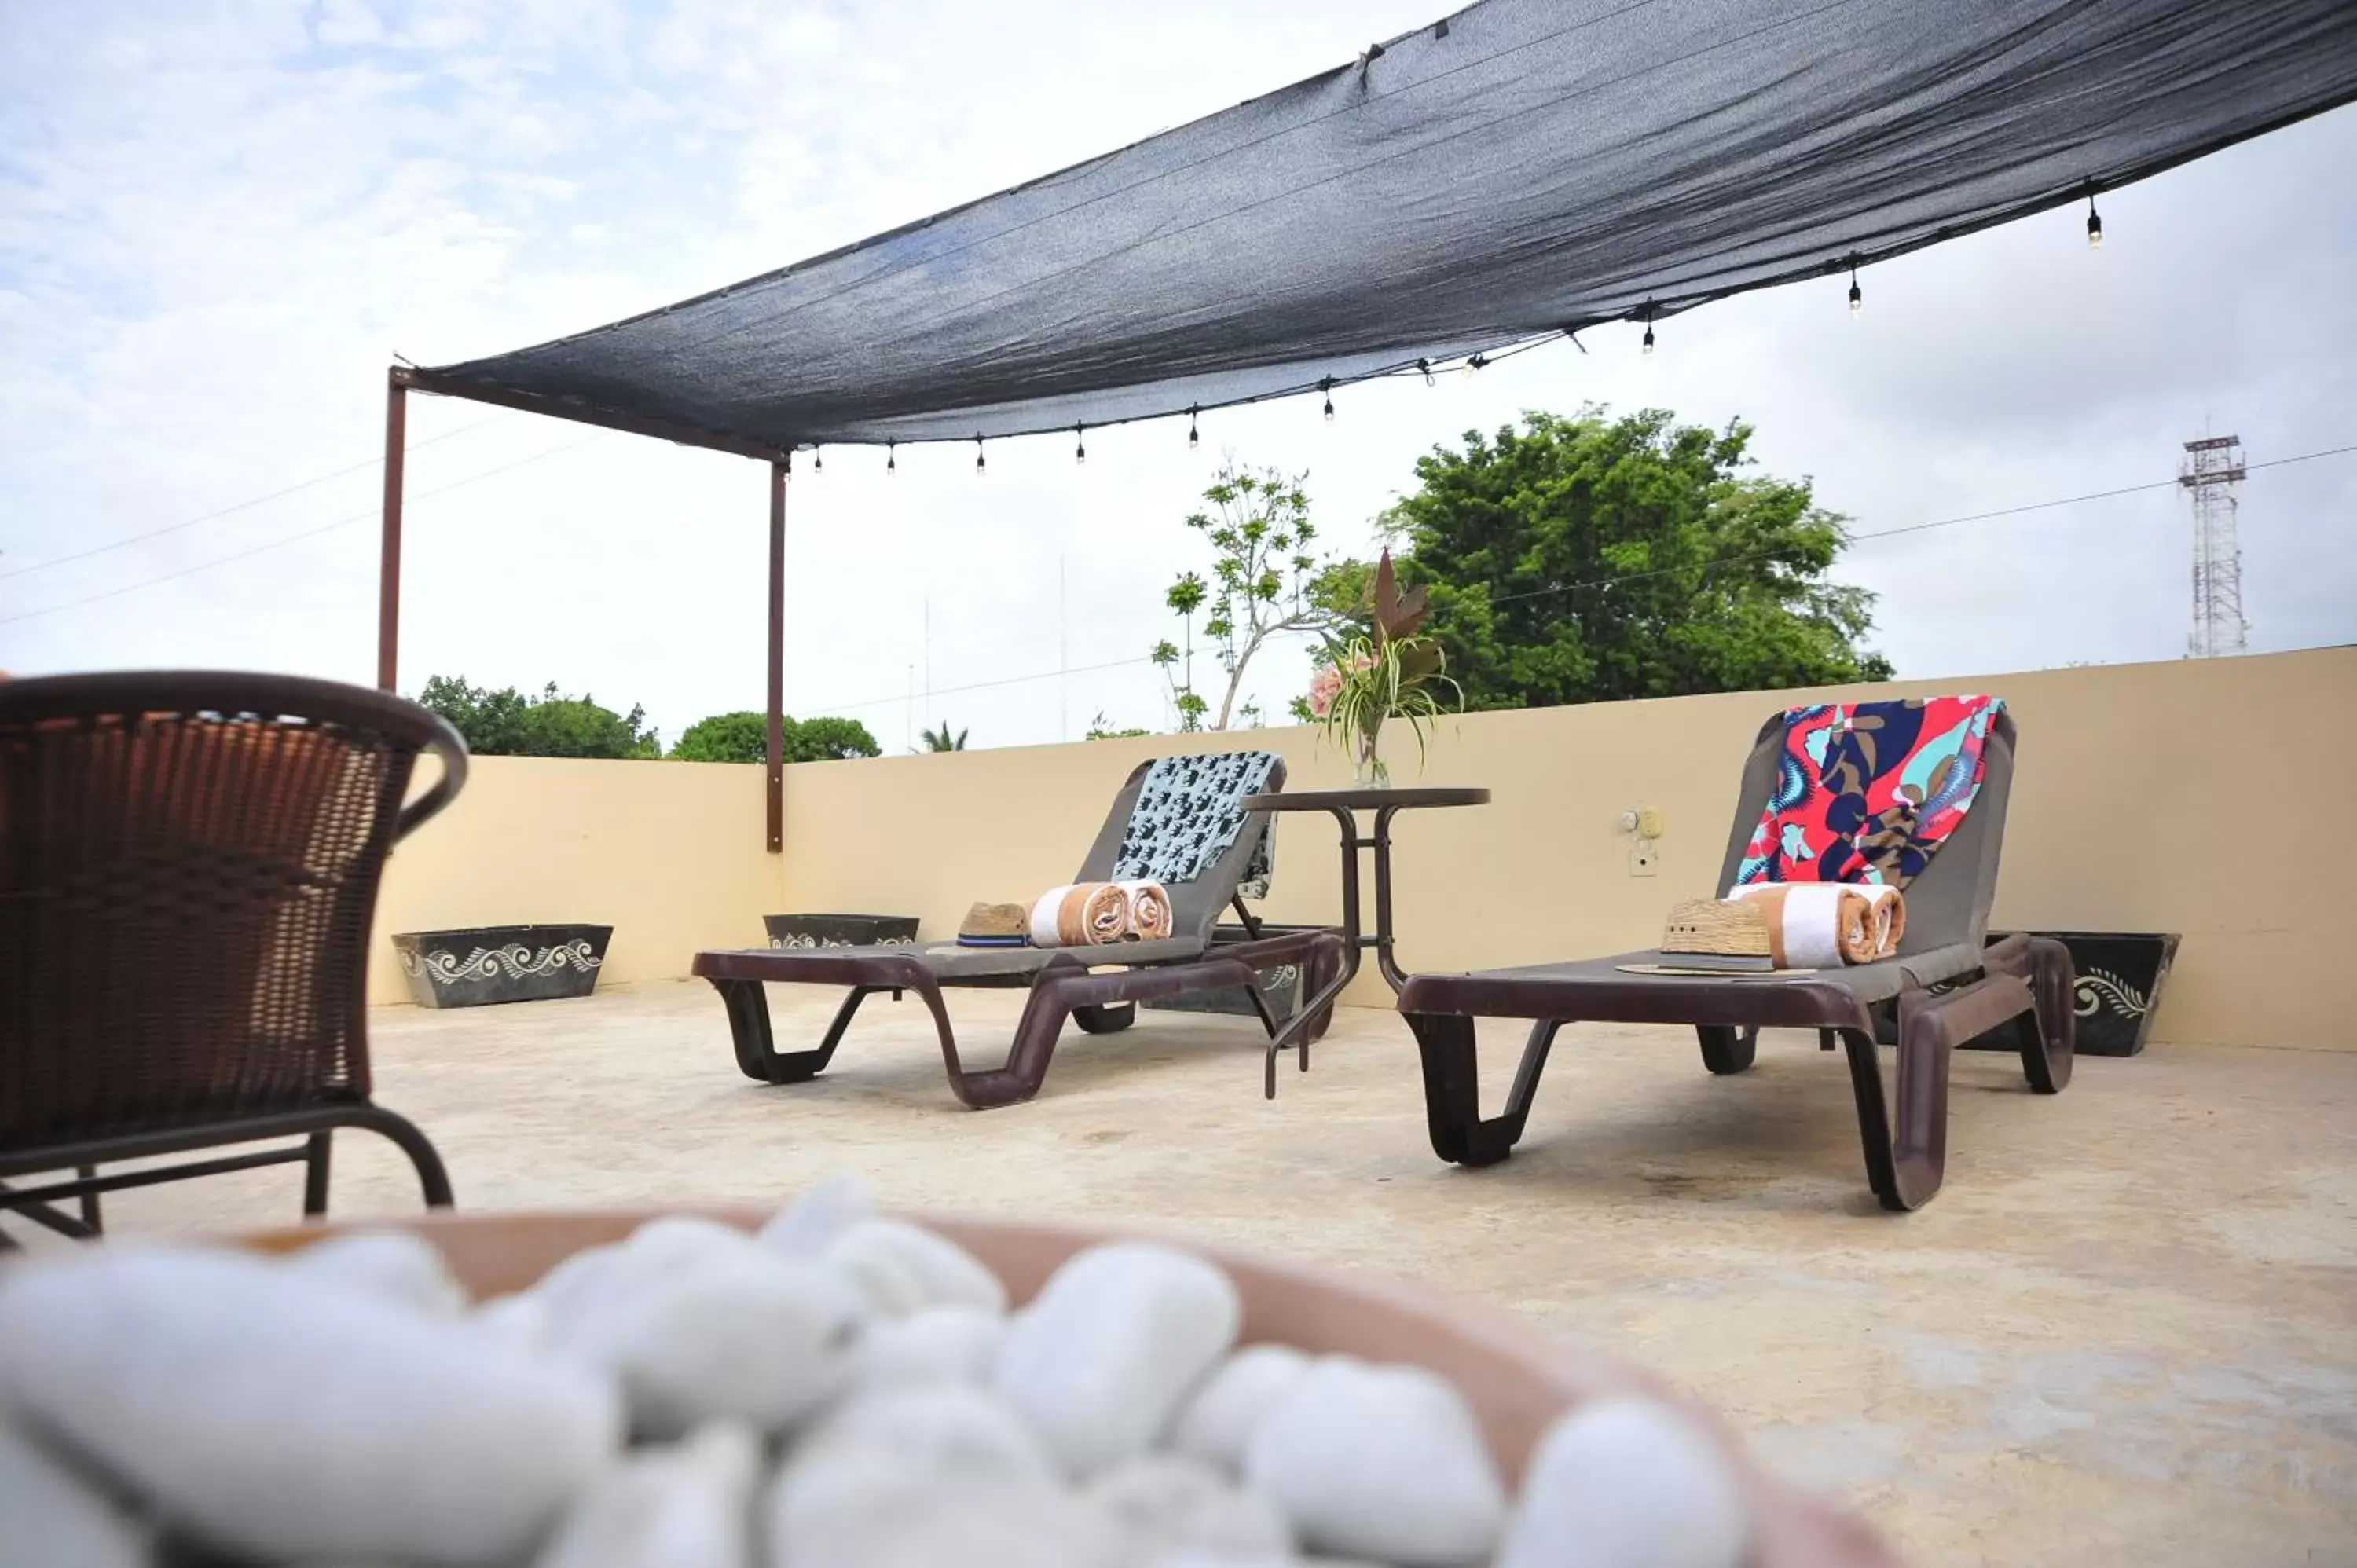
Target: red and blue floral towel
column 1868, row 790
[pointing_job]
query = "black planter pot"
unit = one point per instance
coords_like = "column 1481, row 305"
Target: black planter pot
column 2120, row 974
column 482, row 965
column 841, row 931
column 1279, row 982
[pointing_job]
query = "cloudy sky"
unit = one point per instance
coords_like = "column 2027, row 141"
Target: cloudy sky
column 220, row 221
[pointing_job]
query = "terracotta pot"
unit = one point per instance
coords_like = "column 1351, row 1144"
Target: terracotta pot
column 1517, row 1384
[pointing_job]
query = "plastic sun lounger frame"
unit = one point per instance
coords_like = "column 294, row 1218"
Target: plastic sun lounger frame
column 1062, row 982
column 2022, row 982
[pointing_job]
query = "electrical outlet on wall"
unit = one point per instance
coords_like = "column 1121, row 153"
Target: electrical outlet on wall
column 1645, row 858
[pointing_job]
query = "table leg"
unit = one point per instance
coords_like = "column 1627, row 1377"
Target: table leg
column 1294, row 1034
column 1382, row 846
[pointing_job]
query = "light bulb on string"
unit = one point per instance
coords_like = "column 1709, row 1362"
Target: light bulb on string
column 1473, row 366
column 2094, row 224
column 1647, row 346
column 818, row 461
column 1425, row 366
column 978, row 457
column 1856, row 295
column 1327, row 386
column 1079, row 444
column 891, row 464
column 1194, row 438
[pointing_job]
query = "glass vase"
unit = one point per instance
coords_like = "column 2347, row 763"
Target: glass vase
column 1368, row 771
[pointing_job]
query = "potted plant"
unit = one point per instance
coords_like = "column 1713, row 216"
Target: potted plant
column 1387, row 673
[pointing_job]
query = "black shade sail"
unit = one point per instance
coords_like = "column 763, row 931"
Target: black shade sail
column 1522, row 169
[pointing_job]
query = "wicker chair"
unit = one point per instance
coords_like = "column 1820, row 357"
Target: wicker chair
column 188, row 868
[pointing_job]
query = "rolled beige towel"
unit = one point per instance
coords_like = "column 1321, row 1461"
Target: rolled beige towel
column 1815, row 925
column 1887, row 912
column 1149, row 909
column 1079, row 915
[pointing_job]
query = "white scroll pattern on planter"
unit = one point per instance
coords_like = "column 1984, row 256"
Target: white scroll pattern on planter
column 516, row 962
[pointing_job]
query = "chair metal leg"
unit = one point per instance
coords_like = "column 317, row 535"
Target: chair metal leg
column 315, row 1174
column 89, row 1209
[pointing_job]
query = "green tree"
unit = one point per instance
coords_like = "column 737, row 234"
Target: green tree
column 941, row 739
column 506, row 722
column 1596, row 558
column 1259, row 531
column 744, row 737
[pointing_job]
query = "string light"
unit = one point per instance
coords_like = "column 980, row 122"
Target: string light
column 1193, row 438
column 978, row 457
column 1856, row 295
column 1473, row 366
column 1425, row 366
column 1079, row 444
column 2094, row 223
column 1327, row 386
column 1647, row 348
column 892, row 462
column 818, row 461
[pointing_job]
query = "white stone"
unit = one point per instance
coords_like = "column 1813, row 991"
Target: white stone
column 1626, row 1483
column 947, row 1430
column 1115, row 1342
column 280, row 1416
column 929, row 1473
column 1217, row 1422
column 521, row 1320
column 723, row 1335
column 51, row 1514
column 863, row 1512
column 958, row 1344
column 903, row 1269
column 803, row 1227
column 1381, row 1462
column 399, row 1265
column 689, row 1504
column 1163, row 1502
column 656, row 1248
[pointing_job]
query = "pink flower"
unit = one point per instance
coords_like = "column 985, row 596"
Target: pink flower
column 1324, row 685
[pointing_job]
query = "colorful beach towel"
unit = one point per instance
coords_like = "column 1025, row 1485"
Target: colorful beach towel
column 1868, row 791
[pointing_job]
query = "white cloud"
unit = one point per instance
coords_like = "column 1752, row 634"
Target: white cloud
column 219, row 224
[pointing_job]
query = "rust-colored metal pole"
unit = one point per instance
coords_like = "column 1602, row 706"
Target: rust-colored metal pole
column 388, row 572
column 777, row 471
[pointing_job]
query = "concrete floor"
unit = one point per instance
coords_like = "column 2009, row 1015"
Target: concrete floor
column 2126, row 1331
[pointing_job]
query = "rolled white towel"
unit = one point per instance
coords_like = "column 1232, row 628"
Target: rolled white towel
column 1814, row 925
column 1079, row 914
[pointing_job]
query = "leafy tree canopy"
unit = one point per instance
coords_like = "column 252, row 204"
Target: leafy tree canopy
column 744, row 737
column 506, row 722
column 1595, row 559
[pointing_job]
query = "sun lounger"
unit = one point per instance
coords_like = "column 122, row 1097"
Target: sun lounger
column 2022, row 982
column 1064, row 983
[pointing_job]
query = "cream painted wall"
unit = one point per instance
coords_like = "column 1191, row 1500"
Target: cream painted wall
column 668, row 854
column 2135, row 808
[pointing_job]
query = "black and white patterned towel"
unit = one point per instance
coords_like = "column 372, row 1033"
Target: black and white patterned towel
column 1188, row 814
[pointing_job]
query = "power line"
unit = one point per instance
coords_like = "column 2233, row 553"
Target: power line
column 1658, row 571
column 1894, row 532
column 983, row 685
column 377, row 462
column 296, row 538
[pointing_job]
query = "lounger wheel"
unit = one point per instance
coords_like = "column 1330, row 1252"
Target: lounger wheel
column 1109, row 1020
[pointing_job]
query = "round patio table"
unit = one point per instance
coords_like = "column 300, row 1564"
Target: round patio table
column 1346, row 805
